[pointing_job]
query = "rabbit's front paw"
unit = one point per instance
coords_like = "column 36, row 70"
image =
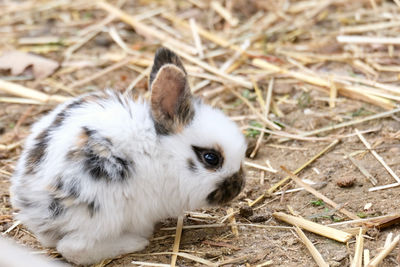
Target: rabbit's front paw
column 80, row 252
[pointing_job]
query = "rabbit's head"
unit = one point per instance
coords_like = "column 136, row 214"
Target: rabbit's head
column 203, row 147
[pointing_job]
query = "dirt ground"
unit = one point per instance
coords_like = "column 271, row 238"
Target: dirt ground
column 299, row 106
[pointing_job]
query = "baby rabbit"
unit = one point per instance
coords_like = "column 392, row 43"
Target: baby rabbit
column 100, row 170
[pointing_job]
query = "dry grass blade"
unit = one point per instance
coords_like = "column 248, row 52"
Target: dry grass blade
column 366, row 257
column 267, row 263
column 101, row 73
column 346, row 90
column 204, row 33
column 259, row 115
column 367, row 39
column 353, row 122
column 143, row 263
column 145, row 29
column 177, row 241
column 377, row 156
column 196, row 259
column 284, row 180
column 383, row 254
column 313, row 227
column 313, row 250
column 232, row 220
column 363, row 170
column 260, row 167
column 22, row 91
column 204, row 65
column 357, row 260
column 223, row 12
column 311, row 190
column 381, row 223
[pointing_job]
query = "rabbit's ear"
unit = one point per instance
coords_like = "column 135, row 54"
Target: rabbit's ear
column 171, row 99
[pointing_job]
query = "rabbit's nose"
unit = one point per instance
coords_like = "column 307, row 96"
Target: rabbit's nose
column 228, row 189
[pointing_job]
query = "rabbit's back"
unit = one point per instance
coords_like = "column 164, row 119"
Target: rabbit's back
column 78, row 165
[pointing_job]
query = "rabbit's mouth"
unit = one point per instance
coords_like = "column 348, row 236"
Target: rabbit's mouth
column 228, row 189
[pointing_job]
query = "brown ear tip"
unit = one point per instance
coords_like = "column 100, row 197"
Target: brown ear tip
column 164, row 52
column 163, row 57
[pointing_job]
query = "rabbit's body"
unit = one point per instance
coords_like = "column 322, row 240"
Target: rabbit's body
column 100, row 170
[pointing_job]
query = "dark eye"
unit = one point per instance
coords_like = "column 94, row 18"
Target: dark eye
column 211, row 158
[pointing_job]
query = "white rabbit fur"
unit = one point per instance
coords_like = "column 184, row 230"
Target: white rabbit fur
column 90, row 212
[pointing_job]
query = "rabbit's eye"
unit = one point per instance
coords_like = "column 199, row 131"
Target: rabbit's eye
column 211, row 158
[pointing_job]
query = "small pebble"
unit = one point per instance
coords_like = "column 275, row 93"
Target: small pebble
column 246, row 211
column 345, row 181
column 260, row 218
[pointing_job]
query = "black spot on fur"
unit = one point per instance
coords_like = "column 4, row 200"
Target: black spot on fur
column 228, row 189
column 73, row 190
column 191, row 165
column 92, row 208
column 99, row 160
column 37, row 153
column 56, row 208
column 161, row 129
column 95, row 165
column 25, row 202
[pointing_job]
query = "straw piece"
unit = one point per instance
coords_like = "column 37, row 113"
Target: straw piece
column 389, row 239
column 260, row 167
column 311, row 190
column 313, row 250
column 260, row 98
column 381, row 223
column 269, row 96
column 204, row 65
column 346, row 90
column 353, row 122
column 101, row 73
column 366, row 257
column 232, row 220
column 377, row 156
column 229, row 64
column 369, row 27
column 284, row 180
column 10, row 146
column 382, row 255
column 222, row 225
column 363, row 170
column 364, row 221
column 313, row 227
column 204, row 33
column 177, row 241
column 18, row 100
column 357, row 260
column 141, row 76
column 381, row 187
column 22, row 91
column 259, row 115
column 258, row 145
column 266, row 263
column 196, row 37
column 145, row 29
column 12, row 227
column 223, row 12
column 142, row 263
column 196, row 259
column 359, row 39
